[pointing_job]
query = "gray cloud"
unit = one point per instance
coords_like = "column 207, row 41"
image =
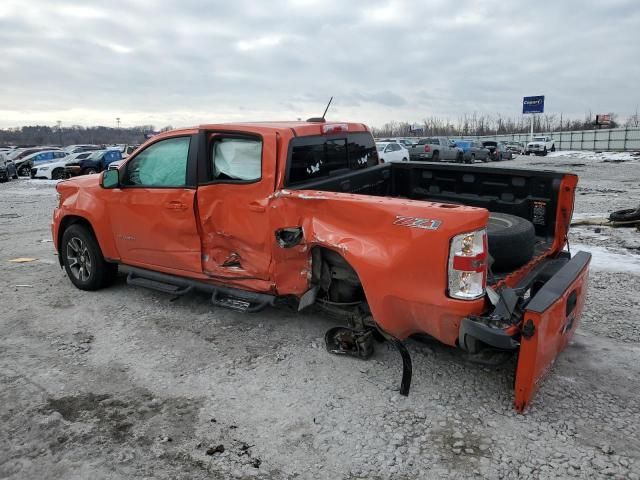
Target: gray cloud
column 202, row 61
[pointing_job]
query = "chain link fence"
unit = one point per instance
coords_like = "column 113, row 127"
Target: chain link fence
column 610, row 139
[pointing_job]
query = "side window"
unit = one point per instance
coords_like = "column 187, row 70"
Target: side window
column 236, row 159
column 163, row 164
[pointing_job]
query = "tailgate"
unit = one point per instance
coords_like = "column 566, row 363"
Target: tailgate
column 550, row 319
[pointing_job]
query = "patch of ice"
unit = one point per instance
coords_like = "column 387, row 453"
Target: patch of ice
column 609, row 260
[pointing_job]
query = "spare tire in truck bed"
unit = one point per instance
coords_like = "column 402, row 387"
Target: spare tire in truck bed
column 511, row 241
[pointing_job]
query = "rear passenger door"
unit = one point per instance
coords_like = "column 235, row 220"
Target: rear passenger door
column 236, row 178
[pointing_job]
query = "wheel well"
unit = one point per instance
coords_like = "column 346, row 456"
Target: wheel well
column 335, row 276
column 66, row 223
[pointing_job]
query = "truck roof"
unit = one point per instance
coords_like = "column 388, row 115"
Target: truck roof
column 299, row 128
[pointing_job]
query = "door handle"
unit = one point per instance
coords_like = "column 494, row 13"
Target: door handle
column 175, row 206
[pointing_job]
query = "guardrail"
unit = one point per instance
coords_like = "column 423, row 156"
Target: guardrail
column 610, row 139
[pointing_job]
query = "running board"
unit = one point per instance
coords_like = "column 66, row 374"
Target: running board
column 227, row 297
column 163, row 287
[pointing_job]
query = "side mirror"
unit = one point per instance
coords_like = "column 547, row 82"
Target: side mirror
column 110, row 179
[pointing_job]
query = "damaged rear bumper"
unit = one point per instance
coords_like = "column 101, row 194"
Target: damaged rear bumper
column 540, row 330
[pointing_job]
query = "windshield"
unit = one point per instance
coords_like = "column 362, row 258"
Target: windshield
column 380, row 146
column 539, row 139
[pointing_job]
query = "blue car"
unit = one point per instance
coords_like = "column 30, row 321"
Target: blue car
column 95, row 163
column 473, row 150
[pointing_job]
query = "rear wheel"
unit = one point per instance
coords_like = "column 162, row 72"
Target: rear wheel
column 459, row 158
column 473, row 158
column 553, row 147
column 89, row 171
column 436, row 156
column 404, row 159
column 83, row 261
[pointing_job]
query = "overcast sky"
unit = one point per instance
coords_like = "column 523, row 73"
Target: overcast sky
column 85, row 62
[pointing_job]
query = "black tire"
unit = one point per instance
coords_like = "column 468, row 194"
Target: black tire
column 511, row 241
column 553, row 147
column 460, row 158
column 625, row 215
column 89, row 171
column 544, row 153
column 83, row 261
column 472, row 159
column 436, row 156
column 404, row 159
column 57, row 174
column 24, row 171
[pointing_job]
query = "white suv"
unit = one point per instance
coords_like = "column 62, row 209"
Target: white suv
column 540, row 146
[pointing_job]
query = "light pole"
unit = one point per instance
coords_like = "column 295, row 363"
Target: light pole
column 59, row 122
column 118, row 123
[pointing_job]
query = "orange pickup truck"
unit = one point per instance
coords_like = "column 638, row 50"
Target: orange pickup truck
column 304, row 213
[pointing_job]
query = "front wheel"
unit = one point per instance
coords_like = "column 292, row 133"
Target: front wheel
column 435, row 157
column 57, row 174
column 544, row 153
column 83, row 261
column 89, row 171
column 459, row 158
column 24, row 171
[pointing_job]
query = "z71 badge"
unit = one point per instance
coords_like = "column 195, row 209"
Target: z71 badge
column 415, row 222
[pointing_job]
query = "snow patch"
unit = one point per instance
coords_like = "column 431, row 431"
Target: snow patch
column 594, row 156
column 610, row 260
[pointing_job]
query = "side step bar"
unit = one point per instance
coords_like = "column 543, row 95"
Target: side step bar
column 228, row 297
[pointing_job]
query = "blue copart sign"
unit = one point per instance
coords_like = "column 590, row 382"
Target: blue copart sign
column 533, row 104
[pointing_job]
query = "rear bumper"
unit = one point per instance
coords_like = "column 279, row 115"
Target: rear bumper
column 542, row 331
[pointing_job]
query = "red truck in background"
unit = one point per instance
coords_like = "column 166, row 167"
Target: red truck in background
column 258, row 213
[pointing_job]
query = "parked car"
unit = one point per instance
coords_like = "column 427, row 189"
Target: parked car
column 19, row 153
column 472, row 150
column 541, row 145
column 436, row 149
column 397, row 248
column 7, row 169
column 392, row 152
column 516, row 148
column 406, row 142
column 82, row 148
column 25, row 164
column 501, row 152
column 95, row 163
column 55, row 170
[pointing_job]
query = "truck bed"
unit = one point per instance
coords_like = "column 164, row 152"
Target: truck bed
column 532, row 195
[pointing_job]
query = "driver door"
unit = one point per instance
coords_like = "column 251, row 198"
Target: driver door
column 153, row 211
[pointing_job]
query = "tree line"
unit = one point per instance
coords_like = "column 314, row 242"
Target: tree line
column 483, row 125
column 75, row 134
column 475, row 124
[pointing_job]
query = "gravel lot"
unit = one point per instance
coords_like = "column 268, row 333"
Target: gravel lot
column 126, row 383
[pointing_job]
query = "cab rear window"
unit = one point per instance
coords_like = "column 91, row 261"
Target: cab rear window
column 311, row 158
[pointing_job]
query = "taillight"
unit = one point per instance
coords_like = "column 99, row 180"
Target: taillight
column 468, row 265
column 427, row 148
column 335, row 128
